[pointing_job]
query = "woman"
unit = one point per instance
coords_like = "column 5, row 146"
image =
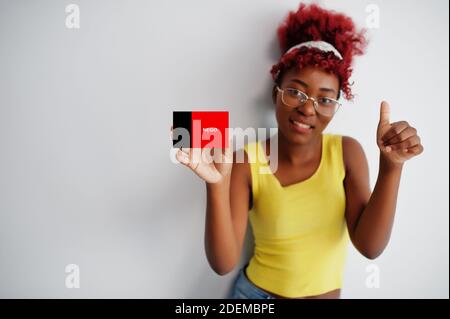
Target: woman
column 304, row 214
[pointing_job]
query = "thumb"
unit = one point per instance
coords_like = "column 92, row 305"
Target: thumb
column 385, row 111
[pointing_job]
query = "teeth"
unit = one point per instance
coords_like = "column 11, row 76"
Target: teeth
column 301, row 124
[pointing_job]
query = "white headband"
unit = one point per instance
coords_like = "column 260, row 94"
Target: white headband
column 321, row 45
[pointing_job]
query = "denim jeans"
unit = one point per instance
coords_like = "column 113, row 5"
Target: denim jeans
column 243, row 288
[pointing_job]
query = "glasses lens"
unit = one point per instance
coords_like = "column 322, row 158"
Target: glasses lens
column 327, row 106
column 294, row 98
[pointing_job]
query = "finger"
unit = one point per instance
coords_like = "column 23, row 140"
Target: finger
column 189, row 153
column 385, row 112
column 182, row 157
column 186, row 150
column 187, row 160
column 402, row 136
column 196, row 155
column 396, row 128
column 207, row 155
column 217, row 155
column 409, row 142
column 416, row 149
column 223, row 154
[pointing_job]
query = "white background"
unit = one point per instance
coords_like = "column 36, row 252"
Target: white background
column 85, row 175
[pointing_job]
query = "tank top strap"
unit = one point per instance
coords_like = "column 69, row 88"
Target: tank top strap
column 334, row 154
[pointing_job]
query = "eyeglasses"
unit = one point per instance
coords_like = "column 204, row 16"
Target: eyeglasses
column 325, row 106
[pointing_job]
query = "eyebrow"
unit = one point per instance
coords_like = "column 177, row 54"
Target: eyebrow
column 306, row 86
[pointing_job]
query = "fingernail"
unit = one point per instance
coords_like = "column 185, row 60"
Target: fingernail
column 388, row 149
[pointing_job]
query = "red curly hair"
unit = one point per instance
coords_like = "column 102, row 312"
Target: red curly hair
column 313, row 23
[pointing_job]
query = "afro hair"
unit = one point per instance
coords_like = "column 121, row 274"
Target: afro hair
column 313, row 23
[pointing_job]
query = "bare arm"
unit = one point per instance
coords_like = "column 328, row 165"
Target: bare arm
column 226, row 218
column 370, row 216
column 227, row 203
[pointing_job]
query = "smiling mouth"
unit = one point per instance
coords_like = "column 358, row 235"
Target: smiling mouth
column 301, row 125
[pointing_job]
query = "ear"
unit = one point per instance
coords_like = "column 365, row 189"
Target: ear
column 274, row 94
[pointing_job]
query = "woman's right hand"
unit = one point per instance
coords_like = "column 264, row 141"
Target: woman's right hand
column 211, row 165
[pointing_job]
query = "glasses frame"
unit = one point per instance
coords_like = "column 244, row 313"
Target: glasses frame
column 315, row 103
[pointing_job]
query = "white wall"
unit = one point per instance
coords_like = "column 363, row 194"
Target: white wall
column 84, row 117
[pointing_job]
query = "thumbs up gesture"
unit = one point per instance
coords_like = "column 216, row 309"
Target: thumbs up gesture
column 398, row 141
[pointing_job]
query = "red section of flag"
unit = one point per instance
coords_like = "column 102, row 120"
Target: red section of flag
column 209, row 129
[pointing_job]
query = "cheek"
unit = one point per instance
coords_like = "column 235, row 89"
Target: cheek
column 281, row 116
column 322, row 123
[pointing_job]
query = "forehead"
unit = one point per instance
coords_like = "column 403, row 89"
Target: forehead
column 314, row 77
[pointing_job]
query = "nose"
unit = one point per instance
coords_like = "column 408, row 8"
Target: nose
column 307, row 108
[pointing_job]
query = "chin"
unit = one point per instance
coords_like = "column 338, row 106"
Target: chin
column 298, row 138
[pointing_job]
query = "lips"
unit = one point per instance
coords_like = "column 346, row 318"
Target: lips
column 301, row 123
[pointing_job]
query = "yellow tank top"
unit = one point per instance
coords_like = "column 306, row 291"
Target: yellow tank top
column 300, row 232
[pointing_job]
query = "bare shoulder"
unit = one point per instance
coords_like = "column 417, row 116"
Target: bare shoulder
column 241, row 180
column 353, row 152
column 350, row 143
column 241, row 166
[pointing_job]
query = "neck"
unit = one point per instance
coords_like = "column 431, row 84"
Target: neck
column 298, row 153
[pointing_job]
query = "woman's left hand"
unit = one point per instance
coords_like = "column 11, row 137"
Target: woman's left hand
column 398, row 141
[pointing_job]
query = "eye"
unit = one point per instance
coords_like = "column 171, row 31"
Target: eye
column 293, row 92
column 326, row 101
column 297, row 94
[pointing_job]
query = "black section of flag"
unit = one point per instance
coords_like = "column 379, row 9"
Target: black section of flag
column 182, row 119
